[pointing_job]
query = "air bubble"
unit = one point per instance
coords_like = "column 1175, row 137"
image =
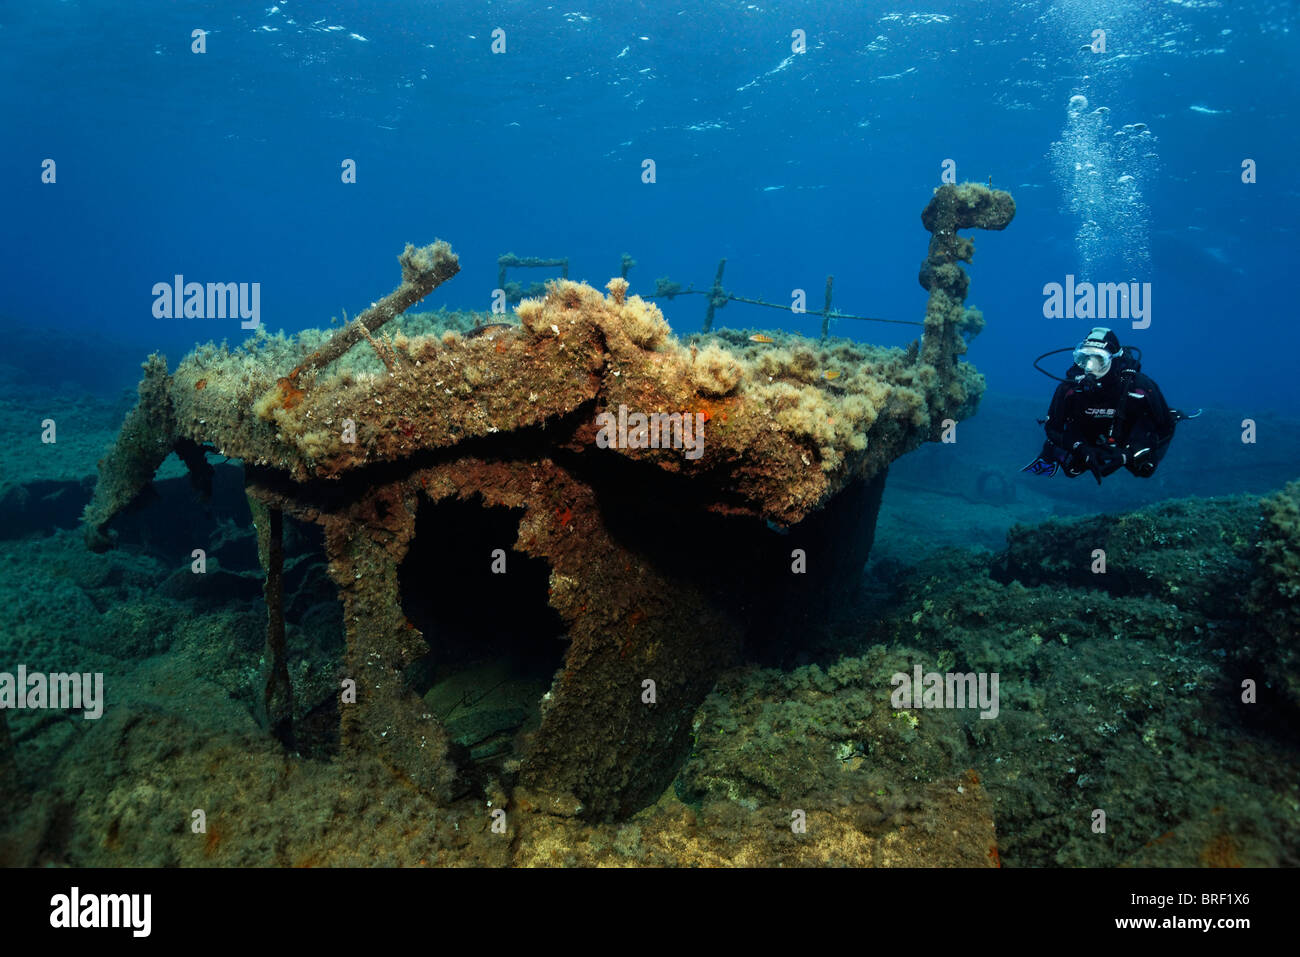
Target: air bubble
column 1092, row 163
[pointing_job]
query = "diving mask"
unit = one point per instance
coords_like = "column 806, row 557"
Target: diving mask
column 1092, row 359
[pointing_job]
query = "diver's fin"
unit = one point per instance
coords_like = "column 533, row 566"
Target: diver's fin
column 1179, row 415
column 1040, row 466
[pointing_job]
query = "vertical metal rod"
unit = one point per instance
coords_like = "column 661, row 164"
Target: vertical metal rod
column 826, row 309
column 716, row 295
column 278, row 694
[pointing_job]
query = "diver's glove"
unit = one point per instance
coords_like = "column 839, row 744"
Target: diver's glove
column 1111, row 460
column 1099, row 460
column 1140, row 463
column 1086, row 458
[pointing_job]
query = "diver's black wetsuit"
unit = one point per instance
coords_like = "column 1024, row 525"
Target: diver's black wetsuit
column 1102, row 425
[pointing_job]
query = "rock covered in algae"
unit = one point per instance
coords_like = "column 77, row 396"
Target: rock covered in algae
column 1275, row 593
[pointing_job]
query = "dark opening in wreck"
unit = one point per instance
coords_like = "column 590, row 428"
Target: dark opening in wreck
column 495, row 644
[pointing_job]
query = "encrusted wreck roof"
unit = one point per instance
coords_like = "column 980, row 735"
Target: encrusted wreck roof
column 786, row 423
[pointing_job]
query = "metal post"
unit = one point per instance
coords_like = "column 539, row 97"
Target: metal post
column 278, row 694
column 716, row 295
column 826, row 309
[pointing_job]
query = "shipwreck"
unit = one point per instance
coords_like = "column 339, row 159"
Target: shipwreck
column 660, row 564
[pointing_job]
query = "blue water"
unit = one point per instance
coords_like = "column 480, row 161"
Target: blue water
column 225, row 166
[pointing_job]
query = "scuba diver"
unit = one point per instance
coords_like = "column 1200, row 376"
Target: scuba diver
column 1105, row 415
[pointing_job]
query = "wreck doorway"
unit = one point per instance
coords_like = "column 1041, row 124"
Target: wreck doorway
column 494, row 641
